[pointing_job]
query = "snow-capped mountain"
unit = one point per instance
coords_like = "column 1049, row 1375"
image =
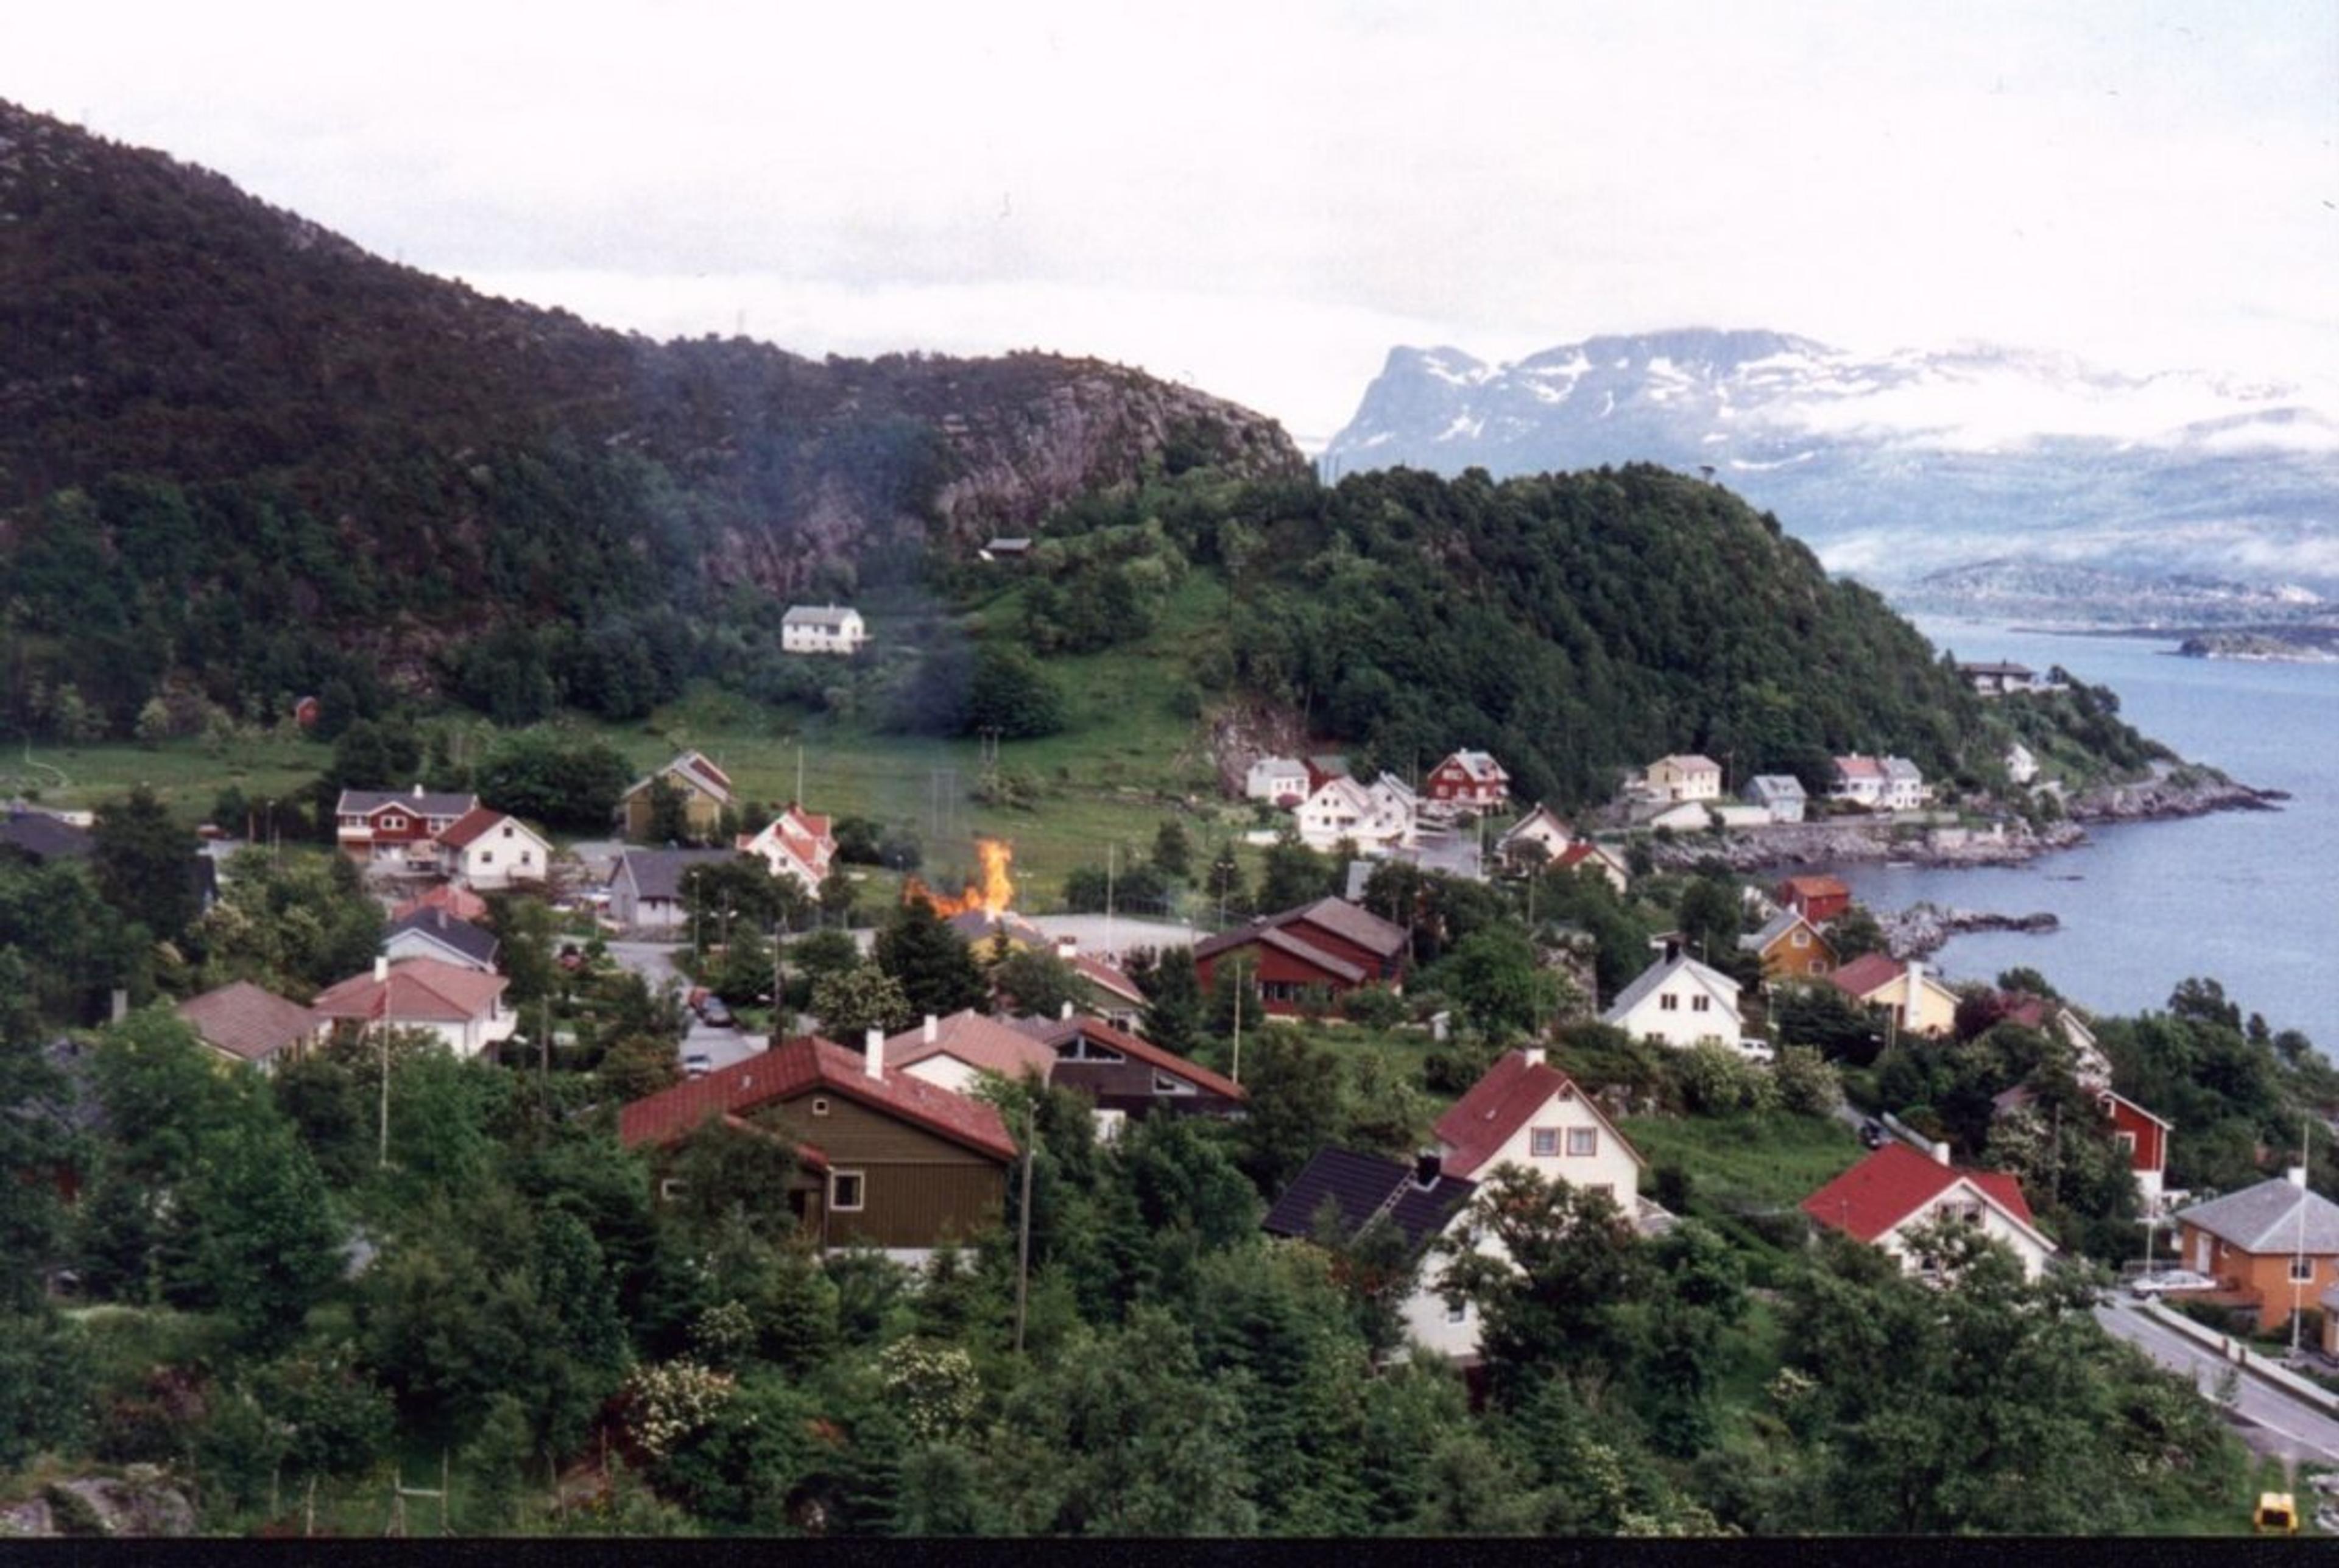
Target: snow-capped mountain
column 1893, row 465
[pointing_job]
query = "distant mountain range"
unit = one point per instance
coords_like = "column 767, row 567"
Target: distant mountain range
column 1894, row 466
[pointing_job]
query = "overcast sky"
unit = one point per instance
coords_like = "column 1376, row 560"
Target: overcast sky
column 1262, row 198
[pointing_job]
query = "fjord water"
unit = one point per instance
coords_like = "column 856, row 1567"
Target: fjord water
column 2250, row 899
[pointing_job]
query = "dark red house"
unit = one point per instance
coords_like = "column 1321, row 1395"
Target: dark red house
column 1330, row 943
column 1818, row 899
column 1473, row 779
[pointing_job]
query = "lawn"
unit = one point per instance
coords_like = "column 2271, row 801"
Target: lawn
column 1746, row 1164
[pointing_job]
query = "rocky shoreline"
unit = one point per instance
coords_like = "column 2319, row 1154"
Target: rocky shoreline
column 1922, row 929
column 2009, row 841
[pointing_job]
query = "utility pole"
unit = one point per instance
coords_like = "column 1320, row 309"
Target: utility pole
column 1023, row 1223
column 2298, row 1247
column 1237, row 1073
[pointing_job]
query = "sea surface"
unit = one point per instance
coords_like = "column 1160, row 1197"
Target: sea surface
column 2249, row 899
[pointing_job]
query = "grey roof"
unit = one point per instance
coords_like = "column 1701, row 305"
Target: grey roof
column 423, row 803
column 1656, row 975
column 475, row 942
column 1774, row 786
column 658, row 873
column 2265, row 1219
column 1779, row 925
column 1365, row 1185
column 1902, row 768
column 1343, row 919
column 39, row 836
column 816, row 615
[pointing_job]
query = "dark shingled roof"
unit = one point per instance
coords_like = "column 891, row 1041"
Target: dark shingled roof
column 1364, row 1186
column 38, row 836
column 474, row 942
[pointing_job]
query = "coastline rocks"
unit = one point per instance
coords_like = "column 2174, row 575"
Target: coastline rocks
column 2169, row 796
column 1920, row 930
column 1787, row 845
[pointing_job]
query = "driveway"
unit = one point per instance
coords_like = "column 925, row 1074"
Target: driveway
column 2269, row 1420
column 653, row 960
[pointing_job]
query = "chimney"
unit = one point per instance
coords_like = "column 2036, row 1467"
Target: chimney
column 2295, row 1175
column 934, row 1028
column 873, row 1053
column 1916, row 979
column 382, row 971
column 1068, row 947
column 1940, row 1151
column 1533, row 1054
column 1067, row 1014
column 1673, row 950
column 1426, row 1167
column 417, row 789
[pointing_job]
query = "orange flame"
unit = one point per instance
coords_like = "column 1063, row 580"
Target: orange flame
column 992, row 895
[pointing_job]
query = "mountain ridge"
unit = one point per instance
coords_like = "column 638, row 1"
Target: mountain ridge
column 1894, row 464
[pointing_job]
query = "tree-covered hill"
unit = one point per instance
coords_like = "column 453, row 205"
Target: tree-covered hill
column 222, row 425
column 1576, row 625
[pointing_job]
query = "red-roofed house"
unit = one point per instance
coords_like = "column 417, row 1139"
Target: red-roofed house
column 1895, row 1189
column 951, row 1052
column 796, row 844
column 2144, row 1138
column 386, row 826
column 1859, row 779
column 909, row 1164
column 1526, row 1112
column 1330, row 943
column 244, row 1023
column 463, row 1007
column 487, row 849
column 1918, row 1003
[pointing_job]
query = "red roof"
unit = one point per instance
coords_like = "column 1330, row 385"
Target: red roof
column 417, row 989
column 1507, row 1098
column 1107, row 978
column 1811, row 887
column 1863, row 977
column 1894, row 1183
column 245, row 1020
column 461, row 903
column 805, row 1063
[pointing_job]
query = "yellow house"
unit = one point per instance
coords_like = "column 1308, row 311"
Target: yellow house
column 1919, row 1003
column 706, row 791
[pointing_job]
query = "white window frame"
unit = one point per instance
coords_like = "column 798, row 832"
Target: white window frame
column 2302, row 1270
column 1589, row 1136
column 860, row 1181
column 1543, row 1143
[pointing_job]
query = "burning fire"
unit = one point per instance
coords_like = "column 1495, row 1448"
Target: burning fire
column 992, row 895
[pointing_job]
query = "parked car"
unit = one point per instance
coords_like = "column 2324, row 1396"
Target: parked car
column 697, row 1064
column 713, row 1013
column 1872, row 1135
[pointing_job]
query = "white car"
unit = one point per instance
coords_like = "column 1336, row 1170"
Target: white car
column 697, row 1064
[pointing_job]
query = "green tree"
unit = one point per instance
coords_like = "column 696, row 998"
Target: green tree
column 1042, row 984
column 1173, row 851
column 935, row 969
column 1009, row 692
column 851, row 1001
column 270, row 1244
column 145, row 864
column 1293, row 1110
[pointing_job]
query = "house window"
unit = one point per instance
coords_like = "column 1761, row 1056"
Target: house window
column 2124, row 1142
column 1457, row 1312
column 2301, row 1269
column 670, row 1188
column 1605, row 1189
column 1583, row 1140
column 1801, row 939
column 487, row 857
column 1669, row 1003
column 1700, row 1003
column 820, row 1107
column 1544, row 1141
column 845, row 1190
column 1165, row 1084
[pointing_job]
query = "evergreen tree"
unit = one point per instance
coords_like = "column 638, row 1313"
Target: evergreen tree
column 145, row 864
column 936, row 970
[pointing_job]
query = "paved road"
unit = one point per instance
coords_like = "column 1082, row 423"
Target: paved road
column 654, row 962
column 2269, row 1420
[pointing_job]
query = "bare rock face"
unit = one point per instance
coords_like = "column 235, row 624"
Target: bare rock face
column 1094, row 431
column 138, row 1502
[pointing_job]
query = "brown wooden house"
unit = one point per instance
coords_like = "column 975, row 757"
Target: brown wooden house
column 1128, row 1074
column 884, row 1159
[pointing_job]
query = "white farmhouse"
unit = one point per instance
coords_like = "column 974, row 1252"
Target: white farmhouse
column 822, row 630
column 1278, row 780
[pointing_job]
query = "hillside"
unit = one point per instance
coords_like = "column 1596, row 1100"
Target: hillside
column 1891, row 465
column 216, row 417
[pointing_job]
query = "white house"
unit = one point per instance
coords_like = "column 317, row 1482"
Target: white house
column 2021, row 767
column 795, row 844
column 1683, row 777
column 1540, row 827
column 1278, row 780
column 1904, row 784
column 1395, row 812
column 822, row 630
column 1858, row 780
column 1895, row 1189
column 1421, row 1201
column 1679, row 1002
column 485, row 849
column 1782, row 794
column 1379, row 816
column 462, row 1007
